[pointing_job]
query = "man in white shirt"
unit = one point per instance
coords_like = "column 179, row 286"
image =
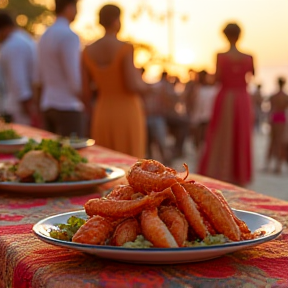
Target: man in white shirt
column 18, row 64
column 59, row 73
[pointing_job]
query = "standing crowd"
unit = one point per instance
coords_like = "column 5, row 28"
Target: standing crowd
column 99, row 93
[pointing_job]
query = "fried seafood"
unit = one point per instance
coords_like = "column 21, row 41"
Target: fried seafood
column 164, row 208
column 125, row 208
column 35, row 163
column 189, row 208
column 126, row 231
column 155, row 231
column 175, row 222
column 146, row 176
column 219, row 216
column 95, row 231
column 121, row 192
column 245, row 232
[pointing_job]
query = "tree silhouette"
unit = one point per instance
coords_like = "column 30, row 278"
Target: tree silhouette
column 26, row 13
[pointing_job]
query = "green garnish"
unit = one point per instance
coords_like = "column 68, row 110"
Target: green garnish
column 31, row 145
column 140, row 242
column 38, row 177
column 9, row 134
column 65, row 232
column 217, row 239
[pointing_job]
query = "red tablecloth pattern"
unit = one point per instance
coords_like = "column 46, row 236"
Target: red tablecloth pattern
column 26, row 261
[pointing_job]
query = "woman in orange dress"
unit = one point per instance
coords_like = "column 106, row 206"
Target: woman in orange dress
column 227, row 152
column 117, row 119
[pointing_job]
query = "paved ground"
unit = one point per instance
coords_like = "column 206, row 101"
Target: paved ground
column 268, row 183
column 264, row 183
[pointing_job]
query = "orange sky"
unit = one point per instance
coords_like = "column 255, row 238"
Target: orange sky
column 195, row 41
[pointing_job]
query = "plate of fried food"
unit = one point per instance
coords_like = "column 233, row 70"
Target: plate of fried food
column 158, row 218
column 51, row 167
column 10, row 140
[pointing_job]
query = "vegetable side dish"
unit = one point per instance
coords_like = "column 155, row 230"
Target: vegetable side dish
column 50, row 161
column 7, row 133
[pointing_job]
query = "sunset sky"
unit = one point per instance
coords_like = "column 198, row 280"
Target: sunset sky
column 195, row 29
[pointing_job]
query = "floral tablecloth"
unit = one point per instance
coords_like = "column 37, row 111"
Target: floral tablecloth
column 25, row 261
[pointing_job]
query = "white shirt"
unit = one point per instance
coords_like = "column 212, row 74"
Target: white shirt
column 18, row 65
column 59, row 68
column 204, row 103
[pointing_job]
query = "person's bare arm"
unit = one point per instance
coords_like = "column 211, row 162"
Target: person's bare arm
column 218, row 73
column 86, row 87
column 132, row 77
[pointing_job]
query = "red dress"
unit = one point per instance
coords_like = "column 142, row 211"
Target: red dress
column 227, row 152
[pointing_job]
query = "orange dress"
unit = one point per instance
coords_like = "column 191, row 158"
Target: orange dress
column 118, row 120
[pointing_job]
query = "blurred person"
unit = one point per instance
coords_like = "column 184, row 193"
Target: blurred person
column 189, row 91
column 278, row 123
column 177, row 120
column 156, row 124
column 227, row 151
column 18, row 65
column 60, row 75
column 257, row 100
column 202, row 111
column 117, row 121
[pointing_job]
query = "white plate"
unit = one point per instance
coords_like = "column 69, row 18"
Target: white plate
column 162, row 255
column 79, row 143
column 113, row 173
column 13, row 145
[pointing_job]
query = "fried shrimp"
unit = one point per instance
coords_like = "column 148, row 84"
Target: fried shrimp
column 126, row 231
column 189, row 208
column 245, row 232
column 220, row 217
column 121, row 192
column 162, row 208
column 175, row 222
column 95, row 231
column 155, row 231
column 146, row 176
column 124, row 208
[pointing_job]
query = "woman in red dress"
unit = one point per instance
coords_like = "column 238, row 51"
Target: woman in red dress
column 227, row 152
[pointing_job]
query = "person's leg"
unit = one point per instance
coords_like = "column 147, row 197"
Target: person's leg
column 279, row 147
column 69, row 123
column 270, row 149
column 182, row 132
column 49, row 120
column 160, row 136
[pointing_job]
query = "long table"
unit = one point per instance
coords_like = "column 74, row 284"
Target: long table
column 26, row 261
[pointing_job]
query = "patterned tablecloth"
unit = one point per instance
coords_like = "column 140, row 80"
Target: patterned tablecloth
column 25, row 261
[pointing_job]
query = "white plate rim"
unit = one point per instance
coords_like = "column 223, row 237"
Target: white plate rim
column 86, row 142
column 13, row 142
column 113, row 174
column 72, row 245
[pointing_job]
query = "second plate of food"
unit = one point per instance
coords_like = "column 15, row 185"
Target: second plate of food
column 12, row 145
column 113, row 173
